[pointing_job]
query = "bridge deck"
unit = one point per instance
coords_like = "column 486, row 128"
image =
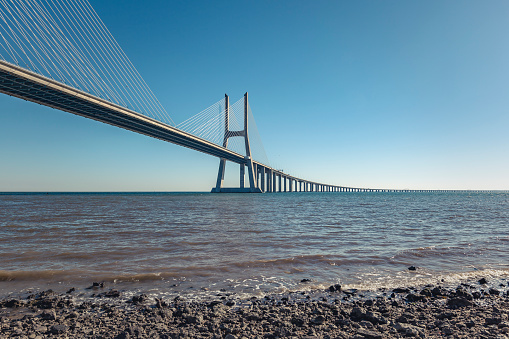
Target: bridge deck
column 30, row 86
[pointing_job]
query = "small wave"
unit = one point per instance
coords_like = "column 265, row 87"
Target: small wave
column 406, row 279
column 34, row 275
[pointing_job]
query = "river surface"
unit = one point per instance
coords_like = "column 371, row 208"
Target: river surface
column 201, row 244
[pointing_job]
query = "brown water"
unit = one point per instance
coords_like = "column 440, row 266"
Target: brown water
column 204, row 244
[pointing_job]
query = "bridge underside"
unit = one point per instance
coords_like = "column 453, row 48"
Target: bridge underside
column 30, row 86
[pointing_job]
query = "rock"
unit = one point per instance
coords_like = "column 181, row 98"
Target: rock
column 366, row 324
column 298, row 322
column 414, row 297
column 13, row 303
column 463, row 294
column 71, row 290
column 401, row 290
column 123, row 335
column 230, row 336
column 112, row 294
column 319, row 320
column 426, row 292
column 407, row 329
column 369, row 334
column 412, row 268
column 405, row 318
column 350, row 292
column 160, row 303
column 194, row 319
column 46, row 303
column 305, row 280
column 494, row 291
column 438, row 291
column 48, row 315
column 40, row 329
column 139, row 299
column 335, row 288
column 458, row 302
column 357, row 313
column 375, row 318
column 58, row 329
column 493, row 321
column 483, row 281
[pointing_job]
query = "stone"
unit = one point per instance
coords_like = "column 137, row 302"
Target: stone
column 437, row 291
column 48, row 315
column 458, row 302
column 407, row 329
column 139, row 299
column 298, row 322
column 366, row 324
column 494, row 291
column 463, row 294
column 335, row 288
column 476, row 295
column 493, row 321
column 112, row 294
column 369, row 334
column 319, row 320
column 40, row 329
column 230, row 336
column 58, row 329
column 13, row 303
column 412, row 268
column 357, row 313
column 426, row 292
column 483, row 281
column 401, row 290
column 414, row 297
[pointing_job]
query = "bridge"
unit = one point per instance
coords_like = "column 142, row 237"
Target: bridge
column 61, row 55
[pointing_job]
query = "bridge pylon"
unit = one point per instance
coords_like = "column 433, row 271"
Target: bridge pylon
column 253, row 187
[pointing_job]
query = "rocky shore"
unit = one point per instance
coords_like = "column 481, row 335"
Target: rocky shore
column 471, row 310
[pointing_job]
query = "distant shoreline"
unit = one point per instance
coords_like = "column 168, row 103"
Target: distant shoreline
column 202, row 192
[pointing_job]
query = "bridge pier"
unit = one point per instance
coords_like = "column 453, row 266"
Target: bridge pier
column 251, row 169
column 242, row 175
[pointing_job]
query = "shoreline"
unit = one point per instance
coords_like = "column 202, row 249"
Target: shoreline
column 477, row 308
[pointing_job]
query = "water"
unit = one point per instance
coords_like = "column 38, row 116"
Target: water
column 199, row 245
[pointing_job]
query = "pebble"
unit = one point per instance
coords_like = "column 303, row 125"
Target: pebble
column 469, row 311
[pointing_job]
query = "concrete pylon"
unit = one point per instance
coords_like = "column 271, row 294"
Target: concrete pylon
column 253, row 187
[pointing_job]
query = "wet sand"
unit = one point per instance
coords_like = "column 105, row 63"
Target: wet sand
column 476, row 309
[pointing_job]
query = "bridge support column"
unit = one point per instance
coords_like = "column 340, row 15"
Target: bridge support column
column 269, row 181
column 242, row 175
column 262, row 177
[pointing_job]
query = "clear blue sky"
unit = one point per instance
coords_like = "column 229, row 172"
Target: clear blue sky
column 399, row 94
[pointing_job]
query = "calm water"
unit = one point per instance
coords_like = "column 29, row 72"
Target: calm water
column 198, row 244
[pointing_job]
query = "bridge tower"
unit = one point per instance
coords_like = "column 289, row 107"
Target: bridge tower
column 253, row 187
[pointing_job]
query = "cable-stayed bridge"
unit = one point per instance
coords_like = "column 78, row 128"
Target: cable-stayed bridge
column 60, row 54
